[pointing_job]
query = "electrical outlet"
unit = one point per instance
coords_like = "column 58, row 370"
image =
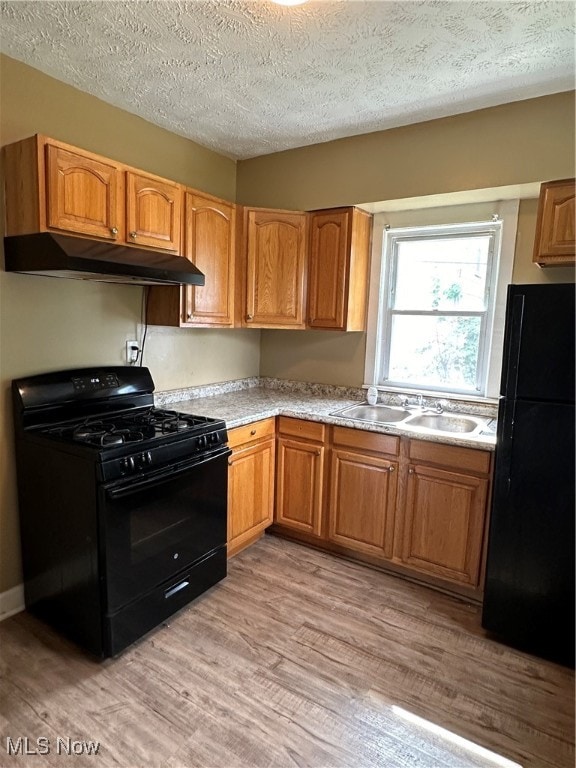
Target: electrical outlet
column 132, row 352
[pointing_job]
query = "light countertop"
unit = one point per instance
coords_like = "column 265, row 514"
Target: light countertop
column 244, row 406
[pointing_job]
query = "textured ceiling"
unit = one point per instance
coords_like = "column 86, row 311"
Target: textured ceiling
column 249, row 78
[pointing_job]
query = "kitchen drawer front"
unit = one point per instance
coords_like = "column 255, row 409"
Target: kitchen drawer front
column 309, row 430
column 251, row 432
column 367, row 441
column 450, row 456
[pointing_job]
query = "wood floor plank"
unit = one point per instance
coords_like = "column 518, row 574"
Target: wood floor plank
column 297, row 660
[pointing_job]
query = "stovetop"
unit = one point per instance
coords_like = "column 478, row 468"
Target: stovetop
column 137, row 426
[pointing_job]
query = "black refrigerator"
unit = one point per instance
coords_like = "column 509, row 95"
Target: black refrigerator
column 529, row 589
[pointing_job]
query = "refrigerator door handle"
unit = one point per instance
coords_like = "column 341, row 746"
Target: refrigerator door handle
column 516, row 317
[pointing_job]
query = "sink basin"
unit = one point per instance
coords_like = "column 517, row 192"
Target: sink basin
column 381, row 413
column 442, row 422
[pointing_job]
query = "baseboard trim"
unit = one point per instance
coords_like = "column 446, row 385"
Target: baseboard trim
column 11, row 601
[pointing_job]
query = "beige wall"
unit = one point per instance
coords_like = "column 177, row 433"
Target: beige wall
column 48, row 324
column 526, row 141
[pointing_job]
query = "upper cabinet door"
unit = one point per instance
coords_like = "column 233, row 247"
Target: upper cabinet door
column 555, row 242
column 340, row 241
column 210, row 227
column 153, row 211
column 275, row 243
column 83, row 194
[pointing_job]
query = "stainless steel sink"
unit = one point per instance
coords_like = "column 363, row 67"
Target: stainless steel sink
column 381, row 413
column 442, row 422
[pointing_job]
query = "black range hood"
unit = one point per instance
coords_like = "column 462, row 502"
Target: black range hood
column 53, row 255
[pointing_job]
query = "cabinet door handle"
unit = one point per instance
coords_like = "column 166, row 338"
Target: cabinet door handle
column 189, row 316
column 410, row 471
column 248, row 317
column 390, row 469
column 114, row 230
column 133, row 235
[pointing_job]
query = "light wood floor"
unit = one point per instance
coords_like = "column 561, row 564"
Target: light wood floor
column 297, row 659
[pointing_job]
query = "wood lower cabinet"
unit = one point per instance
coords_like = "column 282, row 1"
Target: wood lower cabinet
column 555, row 241
column 275, row 262
column 339, row 260
column 363, row 492
column 210, row 244
column 444, row 517
column 250, row 482
column 300, row 471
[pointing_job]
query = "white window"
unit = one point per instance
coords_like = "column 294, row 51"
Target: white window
column 439, row 296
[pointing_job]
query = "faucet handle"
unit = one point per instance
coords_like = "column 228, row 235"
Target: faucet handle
column 403, row 401
column 440, row 405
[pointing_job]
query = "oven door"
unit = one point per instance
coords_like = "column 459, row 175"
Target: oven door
column 152, row 528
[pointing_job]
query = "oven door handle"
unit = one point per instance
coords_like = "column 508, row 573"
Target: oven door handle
column 162, row 476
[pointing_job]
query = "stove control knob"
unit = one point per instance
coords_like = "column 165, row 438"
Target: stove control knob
column 202, row 442
column 128, row 464
column 214, row 438
column 148, row 458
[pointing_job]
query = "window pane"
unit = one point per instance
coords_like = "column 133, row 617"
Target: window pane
column 442, row 273
column 435, row 351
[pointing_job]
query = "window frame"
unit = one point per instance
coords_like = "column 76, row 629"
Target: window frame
column 507, row 209
column 388, row 312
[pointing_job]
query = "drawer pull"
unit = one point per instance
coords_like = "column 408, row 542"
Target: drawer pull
column 252, row 432
column 177, row 588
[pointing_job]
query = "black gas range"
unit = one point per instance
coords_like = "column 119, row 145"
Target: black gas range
column 123, row 505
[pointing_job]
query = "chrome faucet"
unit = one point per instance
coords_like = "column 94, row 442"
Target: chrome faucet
column 440, row 405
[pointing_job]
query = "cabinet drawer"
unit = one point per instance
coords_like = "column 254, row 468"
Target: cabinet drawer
column 309, row 430
column 251, row 432
column 368, row 441
column 450, row 455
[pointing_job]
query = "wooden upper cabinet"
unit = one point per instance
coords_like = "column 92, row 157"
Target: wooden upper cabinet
column 153, row 208
column 53, row 186
column 275, row 263
column 555, row 241
column 339, row 260
column 209, row 243
column 83, row 194
column 50, row 185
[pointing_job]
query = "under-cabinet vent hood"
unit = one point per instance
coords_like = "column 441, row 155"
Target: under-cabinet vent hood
column 82, row 259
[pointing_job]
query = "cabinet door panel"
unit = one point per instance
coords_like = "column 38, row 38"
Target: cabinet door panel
column 209, row 244
column 82, row 194
column 250, row 492
column 362, row 502
column 153, row 212
column 328, row 264
column 555, row 242
column 299, row 485
column 444, row 523
column 275, row 269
